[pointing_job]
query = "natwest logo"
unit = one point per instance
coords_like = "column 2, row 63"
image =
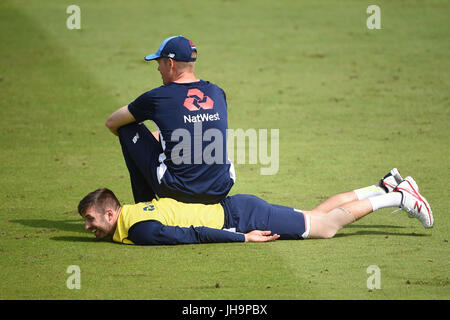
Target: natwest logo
column 197, row 100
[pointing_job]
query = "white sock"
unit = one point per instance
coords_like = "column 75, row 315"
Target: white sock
column 368, row 192
column 392, row 199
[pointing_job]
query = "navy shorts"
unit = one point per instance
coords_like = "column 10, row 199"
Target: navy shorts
column 141, row 152
column 245, row 213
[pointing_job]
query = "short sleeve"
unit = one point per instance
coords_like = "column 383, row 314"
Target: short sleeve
column 143, row 107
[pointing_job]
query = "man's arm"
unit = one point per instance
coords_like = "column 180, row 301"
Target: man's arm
column 152, row 232
column 118, row 119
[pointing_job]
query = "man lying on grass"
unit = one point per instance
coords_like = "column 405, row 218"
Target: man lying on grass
column 246, row 218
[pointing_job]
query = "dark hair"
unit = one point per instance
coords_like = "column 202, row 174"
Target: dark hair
column 101, row 199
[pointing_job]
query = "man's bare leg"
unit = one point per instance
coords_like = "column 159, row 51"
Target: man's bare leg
column 339, row 199
column 385, row 185
column 326, row 226
column 333, row 202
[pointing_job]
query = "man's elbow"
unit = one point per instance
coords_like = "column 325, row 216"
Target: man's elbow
column 108, row 123
column 118, row 119
column 111, row 126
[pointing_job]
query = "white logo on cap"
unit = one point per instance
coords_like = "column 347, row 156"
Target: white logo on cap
column 171, row 55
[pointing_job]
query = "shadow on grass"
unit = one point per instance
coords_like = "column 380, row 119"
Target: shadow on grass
column 74, row 225
column 373, row 226
column 383, row 233
column 74, row 239
column 63, row 225
column 377, row 232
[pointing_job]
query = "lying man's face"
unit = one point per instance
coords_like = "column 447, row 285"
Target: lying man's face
column 101, row 224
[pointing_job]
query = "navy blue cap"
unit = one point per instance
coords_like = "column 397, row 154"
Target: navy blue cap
column 178, row 48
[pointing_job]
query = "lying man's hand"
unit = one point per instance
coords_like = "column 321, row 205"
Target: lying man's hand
column 260, row 236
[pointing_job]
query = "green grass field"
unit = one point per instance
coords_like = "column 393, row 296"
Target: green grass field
column 350, row 104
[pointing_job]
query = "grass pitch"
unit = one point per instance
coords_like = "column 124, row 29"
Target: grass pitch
column 350, row 104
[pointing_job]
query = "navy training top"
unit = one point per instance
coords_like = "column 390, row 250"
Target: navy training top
column 192, row 121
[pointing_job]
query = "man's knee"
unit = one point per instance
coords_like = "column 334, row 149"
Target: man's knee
column 328, row 228
column 323, row 228
column 329, row 232
column 128, row 128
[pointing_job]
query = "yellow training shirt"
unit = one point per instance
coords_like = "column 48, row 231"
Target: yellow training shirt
column 169, row 212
